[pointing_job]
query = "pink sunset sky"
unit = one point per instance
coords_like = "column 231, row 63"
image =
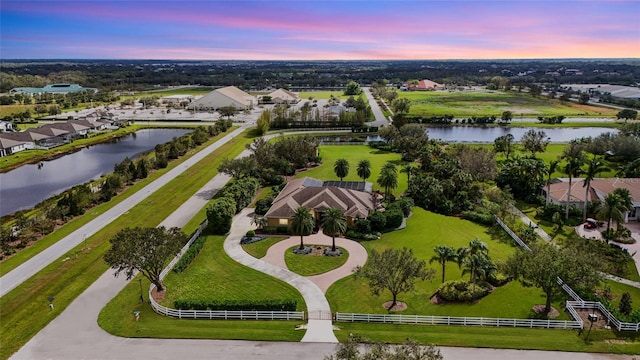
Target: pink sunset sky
column 322, row 30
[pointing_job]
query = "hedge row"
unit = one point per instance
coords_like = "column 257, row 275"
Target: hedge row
column 236, row 305
column 191, row 254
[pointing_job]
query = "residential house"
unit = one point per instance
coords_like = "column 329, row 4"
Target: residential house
column 600, row 188
column 425, row 85
column 355, row 198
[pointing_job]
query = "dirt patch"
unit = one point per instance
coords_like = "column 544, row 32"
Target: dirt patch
column 158, row 296
column 399, row 306
column 584, row 315
column 553, row 313
column 436, row 299
column 318, row 250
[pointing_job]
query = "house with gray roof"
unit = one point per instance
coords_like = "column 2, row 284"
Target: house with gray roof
column 224, row 97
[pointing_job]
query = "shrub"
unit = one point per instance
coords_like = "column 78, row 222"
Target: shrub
column 378, row 221
column 393, row 218
column 236, row 305
column 404, row 204
column 282, row 229
column 462, row 291
column 251, row 233
column 362, row 226
column 498, row 279
column 220, row 214
column 479, row 217
column 263, row 205
column 189, row 255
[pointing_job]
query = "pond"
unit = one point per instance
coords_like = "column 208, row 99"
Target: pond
column 28, row 185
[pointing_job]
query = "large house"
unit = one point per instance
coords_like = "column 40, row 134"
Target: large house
column 224, row 97
column 424, row 85
column 355, row 198
column 600, row 188
column 283, row 96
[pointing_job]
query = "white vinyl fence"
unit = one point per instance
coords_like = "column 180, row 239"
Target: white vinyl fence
column 215, row 314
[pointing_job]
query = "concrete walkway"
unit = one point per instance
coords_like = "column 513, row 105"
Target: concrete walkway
column 318, row 329
column 357, row 257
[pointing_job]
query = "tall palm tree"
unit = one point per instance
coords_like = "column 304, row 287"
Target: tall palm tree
column 593, row 168
column 388, row 178
column 552, row 168
column 302, row 223
column 444, row 254
column 478, row 246
column 461, row 255
column 334, row 223
column 572, row 168
column 479, row 266
column 408, row 169
column 364, row 169
column 341, row 168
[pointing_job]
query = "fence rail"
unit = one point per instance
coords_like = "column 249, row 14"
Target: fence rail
column 463, row 321
column 611, row 319
column 215, row 314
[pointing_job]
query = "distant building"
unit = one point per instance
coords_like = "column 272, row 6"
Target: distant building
column 51, row 89
column 223, row 97
column 424, row 85
column 283, row 96
column 616, row 91
column 176, row 99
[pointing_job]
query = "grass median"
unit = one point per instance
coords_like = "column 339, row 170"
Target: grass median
column 24, row 311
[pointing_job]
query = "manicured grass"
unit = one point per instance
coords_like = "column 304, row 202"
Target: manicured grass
column 259, row 249
column 487, row 103
column 353, row 154
column 424, row 231
column 117, row 319
column 603, row 341
column 214, row 275
column 24, row 311
column 309, row 265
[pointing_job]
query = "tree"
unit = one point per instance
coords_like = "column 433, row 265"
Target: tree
column 625, row 304
column 302, row 223
column 145, row 250
column 262, row 124
column 443, row 255
column 503, row 144
column 572, row 169
column 535, row 141
column 615, row 205
column 584, row 99
column 627, row 114
column 394, row 270
column 228, row 111
column 220, row 214
column 400, row 107
column 334, row 224
column 553, row 164
column 545, row 263
column 506, row 117
column 388, row 178
column 408, row 169
column 352, row 88
column 410, row 350
column 478, row 266
column 341, row 168
column 364, row 169
column 54, row 110
column 594, row 167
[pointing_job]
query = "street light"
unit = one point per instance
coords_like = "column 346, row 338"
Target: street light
column 141, row 297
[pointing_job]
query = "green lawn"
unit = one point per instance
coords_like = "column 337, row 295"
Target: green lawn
column 117, row 319
column 424, row 231
column 309, row 265
column 23, row 311
column 487, row 103
column 603, row 341
column 353, row 154
column 259, row 249
column 325, row 95
column 214, row 275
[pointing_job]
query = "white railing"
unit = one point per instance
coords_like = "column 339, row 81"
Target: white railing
column 512, row 234
column 611, row 319
column 463, row 321
column 214, row 314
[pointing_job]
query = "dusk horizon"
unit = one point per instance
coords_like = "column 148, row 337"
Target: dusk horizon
column 310, row 31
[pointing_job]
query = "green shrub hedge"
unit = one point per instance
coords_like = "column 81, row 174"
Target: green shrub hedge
column 191, row 254
column 236, row 305
column 463, row 291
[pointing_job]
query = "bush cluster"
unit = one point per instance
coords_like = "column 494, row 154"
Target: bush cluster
column 236, row 305
column 189, row 255
column 483, row 218
column 463, row 291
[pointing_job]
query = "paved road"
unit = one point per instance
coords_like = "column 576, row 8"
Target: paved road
column 29, row 268
column 381, row 120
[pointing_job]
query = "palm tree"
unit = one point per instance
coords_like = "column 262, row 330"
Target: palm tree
column 334, row 223
column 341, row 168
column 444, row 254
column 593, row 168
column 552, row 168
column 364, row 169
column 388, row 178
column 615, row 205
column 408, row 169
column 479, row 266
column 461, row 255
column 572, row 168
column 302, row 223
